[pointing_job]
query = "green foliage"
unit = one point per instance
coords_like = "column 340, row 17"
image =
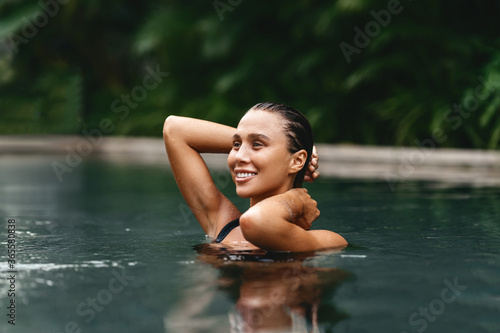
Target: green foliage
column 430, row 67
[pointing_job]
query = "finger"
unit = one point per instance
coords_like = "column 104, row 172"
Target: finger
column 313, row 163
column 311, row 176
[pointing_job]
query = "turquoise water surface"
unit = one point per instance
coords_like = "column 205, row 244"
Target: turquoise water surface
column 112, row 248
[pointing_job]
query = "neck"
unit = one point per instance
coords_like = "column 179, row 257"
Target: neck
column 257, row 199
column 254, row 201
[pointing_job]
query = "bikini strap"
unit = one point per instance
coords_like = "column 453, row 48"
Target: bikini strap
column 227, row 229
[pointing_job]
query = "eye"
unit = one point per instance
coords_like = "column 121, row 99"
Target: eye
column 257, row 144
column 236, row 144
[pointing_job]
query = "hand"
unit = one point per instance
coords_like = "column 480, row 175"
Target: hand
column 312, row 172
column 308, row 210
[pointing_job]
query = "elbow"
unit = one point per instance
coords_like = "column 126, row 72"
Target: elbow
column 251, row 224
column 174, row 129
column 170, row 125
column 340, row 242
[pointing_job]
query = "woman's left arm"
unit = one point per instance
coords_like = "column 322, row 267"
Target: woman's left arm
column 282, row 223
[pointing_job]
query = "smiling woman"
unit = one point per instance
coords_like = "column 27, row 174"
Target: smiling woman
column 270, row 155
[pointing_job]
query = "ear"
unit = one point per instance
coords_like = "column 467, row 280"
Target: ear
column 298, row 160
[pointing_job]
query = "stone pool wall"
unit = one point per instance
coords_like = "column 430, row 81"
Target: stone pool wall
column 393, row 164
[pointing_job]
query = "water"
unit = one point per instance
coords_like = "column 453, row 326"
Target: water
column 112, row 248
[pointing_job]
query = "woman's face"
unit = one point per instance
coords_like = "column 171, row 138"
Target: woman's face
column 259, row 161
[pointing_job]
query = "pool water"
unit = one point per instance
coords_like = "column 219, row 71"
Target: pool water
column 113, row 248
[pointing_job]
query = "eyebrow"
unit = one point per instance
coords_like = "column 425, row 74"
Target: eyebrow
column 253, row 136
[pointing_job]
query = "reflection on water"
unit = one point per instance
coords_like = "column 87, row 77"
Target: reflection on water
column 271, row 292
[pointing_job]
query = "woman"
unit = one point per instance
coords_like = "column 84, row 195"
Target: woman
column 269, row 155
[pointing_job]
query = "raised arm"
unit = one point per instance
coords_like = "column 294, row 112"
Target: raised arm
column 281, row 223
column 185, row 138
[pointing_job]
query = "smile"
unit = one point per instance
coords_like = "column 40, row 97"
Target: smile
column 245, row 175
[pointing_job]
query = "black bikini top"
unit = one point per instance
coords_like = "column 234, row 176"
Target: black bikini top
column 227, row 229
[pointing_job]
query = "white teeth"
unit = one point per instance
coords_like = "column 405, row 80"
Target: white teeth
column 244, row 175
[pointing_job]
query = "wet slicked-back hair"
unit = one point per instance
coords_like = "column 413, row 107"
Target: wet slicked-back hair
column 297, row 130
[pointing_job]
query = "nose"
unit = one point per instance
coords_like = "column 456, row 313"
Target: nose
column 242, row 155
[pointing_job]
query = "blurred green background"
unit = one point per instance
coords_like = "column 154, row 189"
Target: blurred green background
column 363, row 72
